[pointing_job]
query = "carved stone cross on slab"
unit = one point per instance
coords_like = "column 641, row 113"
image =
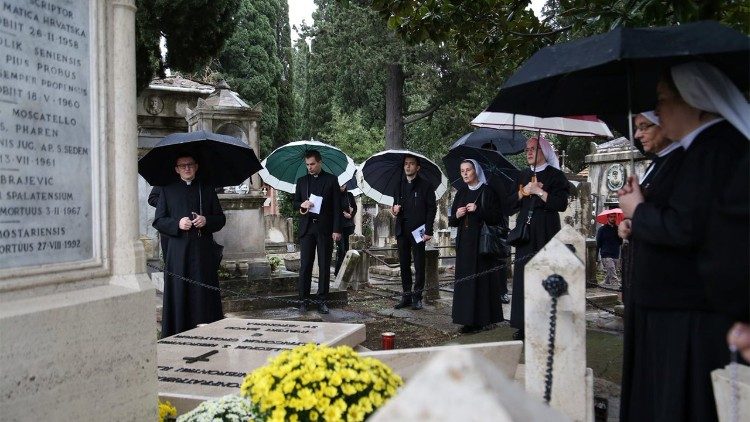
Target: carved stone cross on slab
column 201, row 358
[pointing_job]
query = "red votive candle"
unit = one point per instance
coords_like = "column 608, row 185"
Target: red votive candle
column 387, row 340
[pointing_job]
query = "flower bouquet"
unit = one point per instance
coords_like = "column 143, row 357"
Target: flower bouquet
column 230, row 408
column 310, row 383
column 167, row 412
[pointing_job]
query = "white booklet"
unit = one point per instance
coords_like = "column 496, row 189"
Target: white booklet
column 317, row 202
column 418, row 232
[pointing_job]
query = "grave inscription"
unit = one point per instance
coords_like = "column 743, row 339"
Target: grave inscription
column 45, row 133
column 212, row 360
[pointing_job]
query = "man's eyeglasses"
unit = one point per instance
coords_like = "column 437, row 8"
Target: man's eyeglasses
column 186, row 166
column 532, row 149
column 644, row 127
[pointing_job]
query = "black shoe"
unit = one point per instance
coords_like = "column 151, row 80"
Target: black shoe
column 518, row 335
column 505, row 299
column 323, row 308
column 405, row 302
column 303, row 307
column 469, row 329
column 417, row 305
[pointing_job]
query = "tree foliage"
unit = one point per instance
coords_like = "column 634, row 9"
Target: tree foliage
column 194, row 31
column 588, row 17
column 256, row 61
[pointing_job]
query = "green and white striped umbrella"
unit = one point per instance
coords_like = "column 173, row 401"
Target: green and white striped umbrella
column 286, row 164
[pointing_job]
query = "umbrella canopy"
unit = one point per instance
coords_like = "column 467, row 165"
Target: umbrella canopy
column 602, row 217
column 572, row 126
column 353, row 187
column 617, row 72
column 382, row 173
column 223, row 160
column 286, row 164
column 500, row 172
column 504, row 141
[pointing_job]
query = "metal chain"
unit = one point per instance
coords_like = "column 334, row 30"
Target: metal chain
column 297, row 302
column 556, row 286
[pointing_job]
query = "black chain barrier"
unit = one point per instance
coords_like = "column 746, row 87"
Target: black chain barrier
column 601, row 308
column 599, row 286
column 297, row 302
column 556, row 286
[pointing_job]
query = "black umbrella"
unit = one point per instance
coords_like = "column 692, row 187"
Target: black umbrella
column 504, row 141
column 223, row 160
column 382, row 173
column 500, row 172
column 616, row 73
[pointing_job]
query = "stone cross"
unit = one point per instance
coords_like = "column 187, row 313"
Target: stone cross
column 569, row 369
column 201, row 358
column 562, row 159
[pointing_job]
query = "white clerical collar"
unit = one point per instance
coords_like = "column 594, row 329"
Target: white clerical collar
column 669, row 148
column 688, row 139
column 539, row 167
column 188, row 182
column 475, row 187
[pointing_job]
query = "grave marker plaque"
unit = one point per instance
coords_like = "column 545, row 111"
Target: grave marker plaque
column 211, row 361
column 46, row 132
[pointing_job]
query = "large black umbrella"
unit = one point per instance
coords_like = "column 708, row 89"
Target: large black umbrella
column 223, row 160
column 616, row 73
column 500, row 172
column 504, row 141
column 382, row 173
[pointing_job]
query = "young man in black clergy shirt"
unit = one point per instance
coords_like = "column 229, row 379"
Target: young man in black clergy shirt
column 414, row 206
column 317, row 231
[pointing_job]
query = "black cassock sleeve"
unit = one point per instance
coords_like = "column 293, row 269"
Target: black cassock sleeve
column 163, row 220
column 558, row 190
column 431, row 210
column 153, row 197
column 215, row 218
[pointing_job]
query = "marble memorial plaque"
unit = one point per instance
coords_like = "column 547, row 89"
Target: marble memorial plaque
column 46, row 133
column 211, row 361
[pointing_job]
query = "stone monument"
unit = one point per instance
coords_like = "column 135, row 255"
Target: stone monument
column 77, row 334
column 212, row 360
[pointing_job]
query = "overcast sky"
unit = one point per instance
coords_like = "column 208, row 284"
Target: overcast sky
column 300, row 10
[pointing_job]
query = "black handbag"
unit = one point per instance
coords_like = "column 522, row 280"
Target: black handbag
column 521, row 234
column 491, row 239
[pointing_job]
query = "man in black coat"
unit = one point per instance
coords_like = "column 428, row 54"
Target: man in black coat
column 414, row 206
column 608, row 245
column 348, row 210
column 317, row 197
column 188, row 212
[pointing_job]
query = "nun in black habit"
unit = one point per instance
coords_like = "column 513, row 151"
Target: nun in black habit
column 542, row 195
column 188, row 212
column 682, row 337
column 476, row 301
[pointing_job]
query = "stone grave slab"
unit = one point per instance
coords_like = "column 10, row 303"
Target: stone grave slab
column 459, row 385
column 212, row 360
column 504, row 355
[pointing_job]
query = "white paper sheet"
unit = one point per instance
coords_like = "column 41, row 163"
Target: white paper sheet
column 418, row 232
column 317, row 202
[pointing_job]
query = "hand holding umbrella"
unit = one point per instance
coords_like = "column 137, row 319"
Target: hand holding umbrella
column 630, row 197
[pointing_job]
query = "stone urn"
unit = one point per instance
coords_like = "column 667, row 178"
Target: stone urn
column 291, row 262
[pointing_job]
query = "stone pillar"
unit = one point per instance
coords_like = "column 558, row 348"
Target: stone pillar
column 569, row 369
column 357, row 242
column 431, row 282
column 358, row 216
column 590, row 260
column 77, row 333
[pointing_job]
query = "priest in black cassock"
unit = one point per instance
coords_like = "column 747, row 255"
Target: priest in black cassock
column 348, row 211
column 542, row 194
column 476, row 301
column 317, row 197
column 683, row 335
column 188, row 212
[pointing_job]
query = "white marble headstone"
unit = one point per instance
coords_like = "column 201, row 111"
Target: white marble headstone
column 460, row 385
column 235, row 347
